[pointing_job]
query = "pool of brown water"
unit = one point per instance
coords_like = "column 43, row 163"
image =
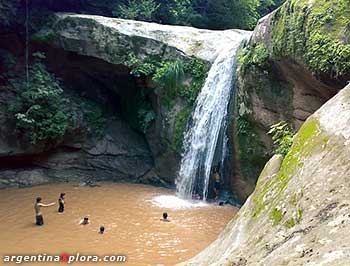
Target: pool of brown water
column 130, row 213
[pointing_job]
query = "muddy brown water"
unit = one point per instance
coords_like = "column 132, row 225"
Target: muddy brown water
column 130, row 213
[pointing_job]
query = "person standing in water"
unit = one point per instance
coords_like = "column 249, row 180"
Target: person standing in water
column 61, row 203
column 38, row 215
column 216, row 179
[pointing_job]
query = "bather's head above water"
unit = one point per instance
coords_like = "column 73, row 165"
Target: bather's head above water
column 102, row 230
column 85, row 221
column 165, row 217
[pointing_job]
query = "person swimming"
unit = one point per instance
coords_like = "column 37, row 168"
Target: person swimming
column 165, row 217
column 84, row 221
column 39, row 219
column 61, row 203
column 102, row 230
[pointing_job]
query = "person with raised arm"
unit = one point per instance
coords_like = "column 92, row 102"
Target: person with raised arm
column 37, row 207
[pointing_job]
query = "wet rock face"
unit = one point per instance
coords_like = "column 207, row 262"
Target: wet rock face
column 120, row 154
column 303, row 63
column 299, row 211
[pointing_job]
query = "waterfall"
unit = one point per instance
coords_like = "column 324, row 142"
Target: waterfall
column 206, row 137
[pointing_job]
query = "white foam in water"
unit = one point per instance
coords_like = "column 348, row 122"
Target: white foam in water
column 173, row 202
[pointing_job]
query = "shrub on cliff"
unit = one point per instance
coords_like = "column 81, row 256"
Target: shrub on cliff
column 255, row 55
column 39, row 108
column 137, row 9
column 282, row 136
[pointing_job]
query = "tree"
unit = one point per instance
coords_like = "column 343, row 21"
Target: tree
column 212, row 14
column 223, row 14
column 183, row 13
column 138, row 10
column 39, row 108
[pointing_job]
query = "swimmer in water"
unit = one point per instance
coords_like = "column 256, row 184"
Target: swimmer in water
column 84, row 221
column 102, row 230
column 38, row 215
column 165, row 217
column 61, row 203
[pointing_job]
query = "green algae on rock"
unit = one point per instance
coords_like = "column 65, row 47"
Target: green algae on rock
column 298, row 213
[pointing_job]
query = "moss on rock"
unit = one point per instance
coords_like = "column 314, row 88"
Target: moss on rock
column 308, row 140
column 181, row 120
column 260, row 91
column 315, row 35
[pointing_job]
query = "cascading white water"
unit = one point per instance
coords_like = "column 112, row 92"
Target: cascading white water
column 208, row 123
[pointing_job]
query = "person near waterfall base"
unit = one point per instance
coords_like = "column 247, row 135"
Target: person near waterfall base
column 217, row 180
column 37, row 207
column 165, row 217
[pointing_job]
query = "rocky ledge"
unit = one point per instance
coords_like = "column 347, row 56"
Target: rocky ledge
column 111, row 39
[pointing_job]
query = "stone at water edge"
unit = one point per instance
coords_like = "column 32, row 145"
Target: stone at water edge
column 301, row 215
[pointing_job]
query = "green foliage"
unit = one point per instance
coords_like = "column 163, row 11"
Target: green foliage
column 197, row 70
column 170, row 75
column 94, row 118
column 183, row 13
column 282, row 136
column 256, row 55
column 224, row 14
column 252, row 152
column 212, row 14
column 39, row 109
column 309, row 140
column 137, row 9
column 138, row 67
column 180, row 127
column 315, row 36
column 146, row 116
column 290, row 223
column 44, row 37
column 276, row 215
column 326, row 55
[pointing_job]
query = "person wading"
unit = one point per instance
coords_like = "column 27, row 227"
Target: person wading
column 37, row 207
column 216, row 179
column 61, row 203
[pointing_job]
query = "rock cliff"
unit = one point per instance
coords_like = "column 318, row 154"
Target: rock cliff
column 299, row 211
column 297, row 59
column 111, row 62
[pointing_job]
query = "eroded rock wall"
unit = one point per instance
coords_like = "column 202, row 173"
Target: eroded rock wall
column 297, row 59
column 299, row 211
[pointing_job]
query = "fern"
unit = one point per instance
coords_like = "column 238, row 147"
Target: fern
column 170, row 75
